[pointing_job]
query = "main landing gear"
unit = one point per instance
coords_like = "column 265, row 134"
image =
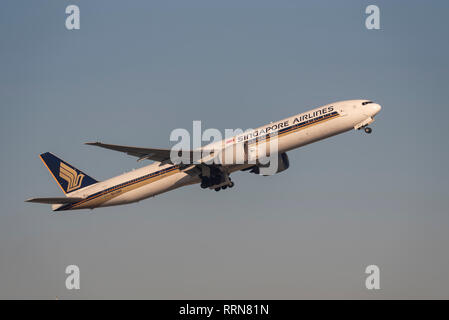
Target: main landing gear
column 230, row 185
column 368, row 130
column 218, row 180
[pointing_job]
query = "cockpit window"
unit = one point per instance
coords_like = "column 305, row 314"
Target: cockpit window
column 366, row 102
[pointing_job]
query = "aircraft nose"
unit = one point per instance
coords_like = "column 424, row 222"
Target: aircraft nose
column 376, row 108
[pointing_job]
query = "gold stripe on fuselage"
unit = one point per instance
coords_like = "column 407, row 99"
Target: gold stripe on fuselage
column 293, row 130
column 104, row 196
column 107, row 195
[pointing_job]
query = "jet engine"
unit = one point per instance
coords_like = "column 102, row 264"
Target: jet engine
column 266, row 169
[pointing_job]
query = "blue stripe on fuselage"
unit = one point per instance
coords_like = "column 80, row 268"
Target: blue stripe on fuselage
column 169, row 169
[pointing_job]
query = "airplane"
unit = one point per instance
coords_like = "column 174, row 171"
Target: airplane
column 84, row 192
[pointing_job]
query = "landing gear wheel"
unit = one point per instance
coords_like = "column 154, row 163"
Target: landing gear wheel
column 217, row 189
column 205, row 182
column 231, row 184
column 368, row 130
column 224, row 187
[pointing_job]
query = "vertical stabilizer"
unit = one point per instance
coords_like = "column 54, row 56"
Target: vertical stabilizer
column 67, row 176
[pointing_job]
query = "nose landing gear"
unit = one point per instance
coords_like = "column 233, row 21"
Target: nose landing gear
column 368, row 130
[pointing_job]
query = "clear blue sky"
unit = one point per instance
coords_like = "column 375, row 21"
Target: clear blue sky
column 137, row 70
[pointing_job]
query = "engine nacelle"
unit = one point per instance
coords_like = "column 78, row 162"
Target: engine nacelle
column 283, row 162
column 268, row 169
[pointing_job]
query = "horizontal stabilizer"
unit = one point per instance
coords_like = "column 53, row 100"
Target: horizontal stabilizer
column 57, row 200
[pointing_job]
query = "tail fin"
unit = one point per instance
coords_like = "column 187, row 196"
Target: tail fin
column 68, row 177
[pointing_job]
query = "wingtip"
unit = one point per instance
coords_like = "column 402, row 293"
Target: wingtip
column 92, row 143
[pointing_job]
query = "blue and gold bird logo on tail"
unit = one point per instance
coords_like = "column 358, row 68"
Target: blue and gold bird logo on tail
column 74, row 179
column 67, row 176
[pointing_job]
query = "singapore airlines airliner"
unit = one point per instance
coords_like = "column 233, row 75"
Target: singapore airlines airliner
column 165, row 174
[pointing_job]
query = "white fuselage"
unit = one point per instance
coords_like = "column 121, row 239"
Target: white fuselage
column 293, row 132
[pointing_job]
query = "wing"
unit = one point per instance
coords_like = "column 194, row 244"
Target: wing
column 142, row 153
column 58, row 200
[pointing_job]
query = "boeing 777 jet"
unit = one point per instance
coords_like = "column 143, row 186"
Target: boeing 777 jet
column 164, row 174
